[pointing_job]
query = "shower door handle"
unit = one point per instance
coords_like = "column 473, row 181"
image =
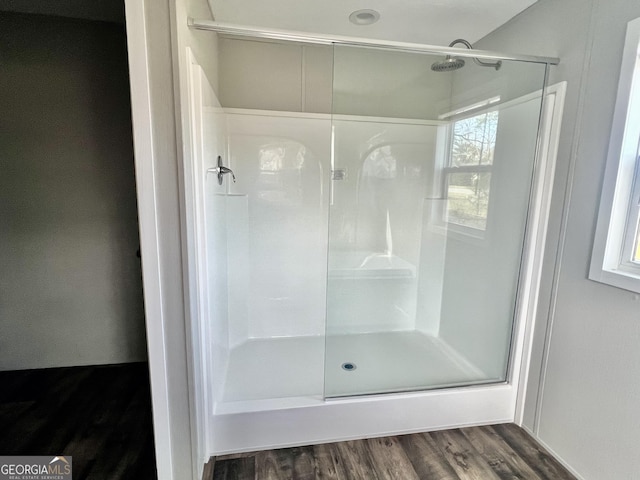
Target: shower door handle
column 221, row 171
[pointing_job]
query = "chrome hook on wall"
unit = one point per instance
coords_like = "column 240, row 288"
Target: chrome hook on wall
column 221, row 170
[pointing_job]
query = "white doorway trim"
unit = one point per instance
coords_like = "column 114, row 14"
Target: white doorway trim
column 548, row 142
column 162, row 281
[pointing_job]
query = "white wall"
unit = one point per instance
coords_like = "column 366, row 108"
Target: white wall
column 585, row 408
column 275, row 76
column 203, row 44
column 316, row 78
column 70, row 278
column 369, row 81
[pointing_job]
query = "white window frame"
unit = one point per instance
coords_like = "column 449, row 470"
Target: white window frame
column 618, row 214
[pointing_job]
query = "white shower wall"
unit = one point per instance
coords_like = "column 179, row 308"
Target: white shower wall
column 277, row 222
column 387, row 168
column 210, row 209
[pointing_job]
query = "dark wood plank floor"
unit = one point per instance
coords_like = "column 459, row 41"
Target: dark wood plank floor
column 498, row 452
column 100, row 415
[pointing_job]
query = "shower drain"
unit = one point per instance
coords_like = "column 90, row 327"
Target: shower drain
column 348, row 366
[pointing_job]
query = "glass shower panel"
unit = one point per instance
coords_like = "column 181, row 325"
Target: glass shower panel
column 276, row 252
column 431, row 174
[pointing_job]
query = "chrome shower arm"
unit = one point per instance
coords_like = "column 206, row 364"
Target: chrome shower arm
column 482, row 63
column 495, row 65
column 463, row 42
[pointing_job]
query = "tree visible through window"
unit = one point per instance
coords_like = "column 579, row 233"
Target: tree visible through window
column 468, row 175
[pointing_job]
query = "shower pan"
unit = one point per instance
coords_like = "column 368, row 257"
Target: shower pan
column 374, row 255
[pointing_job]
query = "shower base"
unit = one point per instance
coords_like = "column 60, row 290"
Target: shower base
column 290, row 371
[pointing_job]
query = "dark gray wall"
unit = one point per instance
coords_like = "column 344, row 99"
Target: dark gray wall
column 70, row 282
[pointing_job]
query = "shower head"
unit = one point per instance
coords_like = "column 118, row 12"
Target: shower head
column 449, row 64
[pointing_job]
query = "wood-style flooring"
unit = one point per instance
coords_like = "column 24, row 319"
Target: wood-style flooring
column 498, row 452
column 101, row 416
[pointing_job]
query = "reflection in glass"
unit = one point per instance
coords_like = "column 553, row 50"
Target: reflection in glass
column 468, row 195
column 380, row 163
column 468, row 176
column 280, row 165
column 474, row 140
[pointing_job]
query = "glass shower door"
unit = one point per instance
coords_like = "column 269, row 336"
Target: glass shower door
column 430, row 181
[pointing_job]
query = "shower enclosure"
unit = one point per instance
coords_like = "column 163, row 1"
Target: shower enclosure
column 373, row 241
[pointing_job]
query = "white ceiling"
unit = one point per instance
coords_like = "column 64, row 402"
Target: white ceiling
column 435, row 22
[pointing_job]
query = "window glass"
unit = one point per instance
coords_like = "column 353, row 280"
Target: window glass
column 468, row 175
column 474, row 140
column 468, row 199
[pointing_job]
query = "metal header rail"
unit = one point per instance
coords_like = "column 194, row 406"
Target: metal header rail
column 324, row 39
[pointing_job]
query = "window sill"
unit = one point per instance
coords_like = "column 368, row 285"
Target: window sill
column 616, row 278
